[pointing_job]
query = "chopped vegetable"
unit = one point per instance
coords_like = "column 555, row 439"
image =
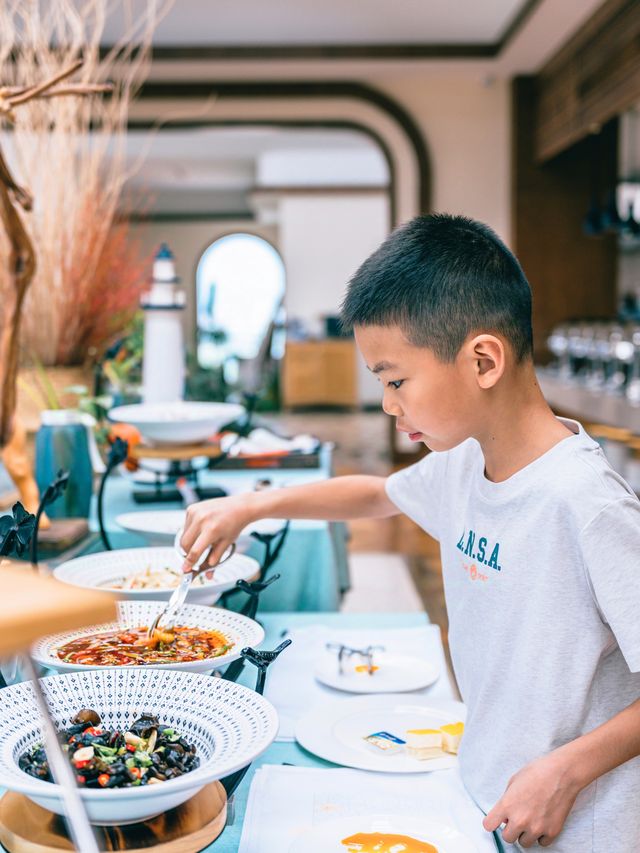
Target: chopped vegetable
column 144, row 755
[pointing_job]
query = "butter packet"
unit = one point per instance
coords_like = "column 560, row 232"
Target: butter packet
column 384, row 742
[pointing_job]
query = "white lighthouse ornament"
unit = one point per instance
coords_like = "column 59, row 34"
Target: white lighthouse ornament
column 163, row 363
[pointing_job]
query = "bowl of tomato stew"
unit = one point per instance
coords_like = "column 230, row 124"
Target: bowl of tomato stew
column 199, row 639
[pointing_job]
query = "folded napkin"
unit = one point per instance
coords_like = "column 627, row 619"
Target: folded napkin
column 262, row 441
column 293, row 689
column 285, row 802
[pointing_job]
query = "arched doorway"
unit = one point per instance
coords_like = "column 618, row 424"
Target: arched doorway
column 240, row 286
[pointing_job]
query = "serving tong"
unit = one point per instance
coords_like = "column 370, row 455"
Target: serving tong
column 345, row 651
column 179, row 595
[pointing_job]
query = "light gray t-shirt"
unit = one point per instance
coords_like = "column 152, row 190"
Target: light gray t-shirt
column 542, row 583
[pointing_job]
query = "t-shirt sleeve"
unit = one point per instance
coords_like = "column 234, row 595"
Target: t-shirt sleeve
column 611, row 551
column 418, row 490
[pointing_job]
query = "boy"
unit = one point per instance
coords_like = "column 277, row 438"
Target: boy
column 539, row 537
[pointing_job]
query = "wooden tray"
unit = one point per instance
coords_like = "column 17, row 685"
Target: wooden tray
column 28, row 828
column 175, row 452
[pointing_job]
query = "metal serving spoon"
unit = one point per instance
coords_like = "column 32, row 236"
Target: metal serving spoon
column 179, row 595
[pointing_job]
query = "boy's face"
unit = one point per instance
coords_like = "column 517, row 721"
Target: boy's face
column 432, row 401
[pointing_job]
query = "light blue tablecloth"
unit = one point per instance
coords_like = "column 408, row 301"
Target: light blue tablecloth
column 276, row 625
column 313, row 562
column 290, row 753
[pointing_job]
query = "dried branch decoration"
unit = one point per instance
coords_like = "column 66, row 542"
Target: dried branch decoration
column 70, row 149
column 71, row 153
column 21, row 257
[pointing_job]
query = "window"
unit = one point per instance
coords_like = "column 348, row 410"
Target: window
column 240, row 284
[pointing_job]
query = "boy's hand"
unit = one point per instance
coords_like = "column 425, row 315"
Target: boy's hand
column 214, row 523
column 536, row 803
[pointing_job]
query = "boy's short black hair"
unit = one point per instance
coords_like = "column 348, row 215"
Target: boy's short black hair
column 441, row 278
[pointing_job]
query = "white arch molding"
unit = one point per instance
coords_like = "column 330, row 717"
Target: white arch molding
column 408, row 179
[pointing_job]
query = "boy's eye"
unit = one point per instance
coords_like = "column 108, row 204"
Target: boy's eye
column 396, row 383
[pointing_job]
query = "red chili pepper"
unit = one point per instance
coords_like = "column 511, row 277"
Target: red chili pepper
column 81, row 764
column 93, row 731
column 131, row 747
column 103, row 779
column 81, row 779
column 135, row 771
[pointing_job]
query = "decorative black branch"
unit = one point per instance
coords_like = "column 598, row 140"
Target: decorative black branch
column 117, row 454
column 51, row 494
column 16, row 531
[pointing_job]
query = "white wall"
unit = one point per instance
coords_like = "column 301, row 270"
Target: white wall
column 465, row 121
column 323, row 240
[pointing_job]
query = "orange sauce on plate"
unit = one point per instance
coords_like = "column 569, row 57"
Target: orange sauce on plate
column 385, row 842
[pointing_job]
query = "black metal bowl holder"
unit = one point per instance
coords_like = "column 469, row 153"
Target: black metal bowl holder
column 261, row 660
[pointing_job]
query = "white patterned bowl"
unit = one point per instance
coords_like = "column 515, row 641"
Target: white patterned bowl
column 230, row 726
column 159, row 526
column 240, row 630
column 100, row 570
column 179, row 422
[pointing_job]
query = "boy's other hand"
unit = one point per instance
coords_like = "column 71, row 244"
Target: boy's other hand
column 215, row 523
column 536, row 802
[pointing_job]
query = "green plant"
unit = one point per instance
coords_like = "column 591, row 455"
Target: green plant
column 122, row 367
column 204, row 383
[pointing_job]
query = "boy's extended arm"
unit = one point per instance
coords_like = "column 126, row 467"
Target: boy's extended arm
column 540, row 796
column 218, row 522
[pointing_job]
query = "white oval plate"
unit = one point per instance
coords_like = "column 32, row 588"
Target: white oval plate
column 327, row 838
column 98, row 571
column 230, row 725
column 395, row 673
column 240, row 630
column 159, row 527
column 335, row 730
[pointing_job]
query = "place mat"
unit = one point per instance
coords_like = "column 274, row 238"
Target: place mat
column 285, row 802
column 293, row 689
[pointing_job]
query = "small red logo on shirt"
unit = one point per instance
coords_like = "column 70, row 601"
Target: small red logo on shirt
column 472, row 570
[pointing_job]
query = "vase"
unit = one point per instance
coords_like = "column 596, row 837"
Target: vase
column 62, row 443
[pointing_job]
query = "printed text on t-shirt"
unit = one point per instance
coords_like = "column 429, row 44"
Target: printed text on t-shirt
column 478, row 548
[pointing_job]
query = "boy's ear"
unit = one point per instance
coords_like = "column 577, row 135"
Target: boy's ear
column 487, row 353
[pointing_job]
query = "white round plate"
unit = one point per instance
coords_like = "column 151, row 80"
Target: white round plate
column 179, row 422
column 240, row 630
column 336, row 730
column 159, row 527
column 230, row 726
column 395, row 673
column 100, row 571
column 327, row 838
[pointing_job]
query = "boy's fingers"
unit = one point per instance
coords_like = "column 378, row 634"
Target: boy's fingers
column 189, row 536
column 216, row 552
column 196, row 550
column 512, row 832
column 495, row 817
column 527, row 839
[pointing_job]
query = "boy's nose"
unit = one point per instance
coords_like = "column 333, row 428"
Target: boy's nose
column 390, row 406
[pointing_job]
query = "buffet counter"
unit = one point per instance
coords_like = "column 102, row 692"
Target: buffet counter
column 257, row 801
column 313, row 562
column 586, row 405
